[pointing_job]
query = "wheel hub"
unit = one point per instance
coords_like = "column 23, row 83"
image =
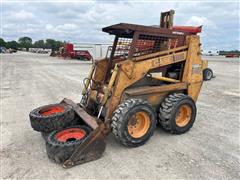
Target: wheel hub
column 183, row 115
column 71, row 134
column 209, row 74
column 52, row 110
column 139, row 124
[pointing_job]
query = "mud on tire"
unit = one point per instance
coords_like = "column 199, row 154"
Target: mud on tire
column 122, row 116
column 59, row 147
column 52, row 117
column 169, row 112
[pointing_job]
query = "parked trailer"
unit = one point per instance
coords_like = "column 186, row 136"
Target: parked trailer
column 68, row 51
column 232, row 56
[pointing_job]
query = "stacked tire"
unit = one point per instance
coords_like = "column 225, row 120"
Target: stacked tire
column 59, row 127
column 61, row 144
column 46, row 119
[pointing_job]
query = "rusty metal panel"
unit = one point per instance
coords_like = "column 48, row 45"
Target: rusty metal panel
column 127, row 30
column 88, row 119
column 192, row 71
column 155, row 89
column 91, row 149
column 168, row 59
column 134, row 44
column 166, row 20
column 152, row 55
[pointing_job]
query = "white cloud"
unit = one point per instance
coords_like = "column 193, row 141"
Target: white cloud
column 49, row 27
column 22, row 15
column 198, row 21
column 82, row 22
column 8, row 26
column 67, row 26
column 29, row 30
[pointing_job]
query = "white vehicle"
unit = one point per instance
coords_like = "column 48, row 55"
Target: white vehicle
column 210, row 52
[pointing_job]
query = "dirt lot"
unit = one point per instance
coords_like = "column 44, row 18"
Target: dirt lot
column 209, row 151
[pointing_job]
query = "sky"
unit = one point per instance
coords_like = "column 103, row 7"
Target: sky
column 82, row 21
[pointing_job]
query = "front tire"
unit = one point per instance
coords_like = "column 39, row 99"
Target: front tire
column 133, row 122
column 177, row 113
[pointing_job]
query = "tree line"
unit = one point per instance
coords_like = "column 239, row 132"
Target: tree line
column 229, row 52
column 26, row 42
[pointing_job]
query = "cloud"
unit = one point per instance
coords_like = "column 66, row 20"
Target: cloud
column 21, row 15
column 82, row 22
column 66, row 27
column 198, row 21
column 49, row 27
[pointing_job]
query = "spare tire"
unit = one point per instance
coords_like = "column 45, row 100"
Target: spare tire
column 52, row 117
column 207, row 74
column 61, row 144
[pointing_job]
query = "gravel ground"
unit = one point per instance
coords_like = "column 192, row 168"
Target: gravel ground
column 209, row 151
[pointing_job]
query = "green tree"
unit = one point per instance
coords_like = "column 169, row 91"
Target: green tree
column 25, row 42
column 2, row 42
column 39, row 44
column 12, row 45
column 50, row 44
column 53, row 44
column 58, row 45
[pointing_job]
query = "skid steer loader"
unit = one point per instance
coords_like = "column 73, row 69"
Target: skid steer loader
column 150, row 75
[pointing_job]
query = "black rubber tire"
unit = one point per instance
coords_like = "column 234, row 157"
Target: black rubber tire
column 60, row 151
column 207, row 74
column 121, row 117
column 169, row 109
column 52, row 122
column 44, row 135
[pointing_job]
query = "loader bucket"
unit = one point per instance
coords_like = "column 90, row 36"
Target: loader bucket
column 94, row 145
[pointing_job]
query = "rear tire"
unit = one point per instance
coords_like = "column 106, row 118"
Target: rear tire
column 61, row 144
column 52, row 117
column 133, row 122
column 177, row 113
column 207, row 74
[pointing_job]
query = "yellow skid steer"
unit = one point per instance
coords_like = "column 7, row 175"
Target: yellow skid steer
column 150, row 75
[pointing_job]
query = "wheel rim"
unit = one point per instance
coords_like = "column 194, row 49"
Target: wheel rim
column 52, row 110
column 138, row 124
column 71, row 134
column 209, row 74
column 183, row 115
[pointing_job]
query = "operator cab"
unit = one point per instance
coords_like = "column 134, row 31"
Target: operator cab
column 135, row 41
